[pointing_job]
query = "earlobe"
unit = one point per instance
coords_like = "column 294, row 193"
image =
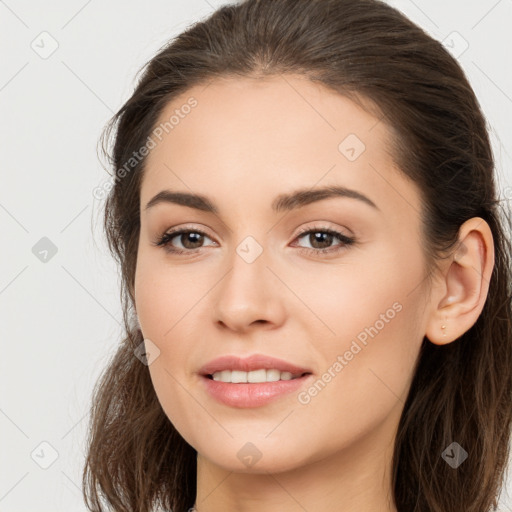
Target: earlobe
column 465, row 284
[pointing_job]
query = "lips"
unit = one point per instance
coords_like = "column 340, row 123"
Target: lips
column 247, row 364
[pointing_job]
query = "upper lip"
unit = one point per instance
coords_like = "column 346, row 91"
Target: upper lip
column 247, row 364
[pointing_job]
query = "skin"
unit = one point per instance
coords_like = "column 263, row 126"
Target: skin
column 246, row 142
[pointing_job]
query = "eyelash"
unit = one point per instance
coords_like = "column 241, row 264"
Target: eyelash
column 165, row 239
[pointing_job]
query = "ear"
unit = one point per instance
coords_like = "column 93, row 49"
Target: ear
column 460, row 297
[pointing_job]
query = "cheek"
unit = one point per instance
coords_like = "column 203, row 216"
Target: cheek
column 165, row 316
column 168, row 303
column 162, row 295
column 374, row 336
column 162, row 300
column 367, row 371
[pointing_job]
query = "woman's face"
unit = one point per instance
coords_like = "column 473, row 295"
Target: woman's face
column 352, row 317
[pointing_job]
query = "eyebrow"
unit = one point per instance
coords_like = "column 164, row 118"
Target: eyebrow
column 283, row 202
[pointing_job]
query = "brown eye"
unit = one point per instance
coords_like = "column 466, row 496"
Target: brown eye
column 322, row 238
column 191, row 241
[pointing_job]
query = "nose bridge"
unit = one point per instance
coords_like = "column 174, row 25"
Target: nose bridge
column 247, row 292
column 248, row 275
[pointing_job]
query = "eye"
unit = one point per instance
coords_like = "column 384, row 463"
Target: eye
column 192, row 240
column 323, row 237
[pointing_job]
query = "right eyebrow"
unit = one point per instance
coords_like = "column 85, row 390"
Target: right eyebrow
column 283, row 202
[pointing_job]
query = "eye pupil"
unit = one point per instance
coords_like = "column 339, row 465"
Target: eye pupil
column 192, row 235
column 322, row 237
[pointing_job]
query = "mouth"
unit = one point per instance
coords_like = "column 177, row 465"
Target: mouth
column 239, row 389
column 252, row 381
column 258, row 376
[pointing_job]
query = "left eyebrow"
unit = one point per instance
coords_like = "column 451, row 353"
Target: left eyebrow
column 283, row 202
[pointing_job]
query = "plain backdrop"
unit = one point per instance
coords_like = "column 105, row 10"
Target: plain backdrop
column 66, row 68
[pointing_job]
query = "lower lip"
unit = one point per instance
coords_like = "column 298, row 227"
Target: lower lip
column 246, row 395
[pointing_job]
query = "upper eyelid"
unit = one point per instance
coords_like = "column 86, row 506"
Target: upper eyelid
column 345, row 239
column 173, row 232
column 302, row 230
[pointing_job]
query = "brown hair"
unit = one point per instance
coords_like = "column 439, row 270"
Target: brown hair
column 371, row 53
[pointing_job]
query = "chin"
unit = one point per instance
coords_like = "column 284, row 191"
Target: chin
column 253, row 457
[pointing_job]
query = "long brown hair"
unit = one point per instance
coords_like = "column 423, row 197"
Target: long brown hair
column 368, row 51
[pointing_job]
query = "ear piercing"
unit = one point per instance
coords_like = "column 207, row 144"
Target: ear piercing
column 443, row 327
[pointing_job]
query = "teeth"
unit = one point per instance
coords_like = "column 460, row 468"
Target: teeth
column 237, row 376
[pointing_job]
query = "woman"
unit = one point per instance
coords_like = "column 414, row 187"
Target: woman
column 316, row 275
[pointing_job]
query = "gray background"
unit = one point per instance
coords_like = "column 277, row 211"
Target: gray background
column 61, row 317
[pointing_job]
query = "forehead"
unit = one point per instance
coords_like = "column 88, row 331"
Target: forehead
column 265, row 136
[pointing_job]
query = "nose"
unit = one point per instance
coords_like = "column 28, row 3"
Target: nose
column 249, row 294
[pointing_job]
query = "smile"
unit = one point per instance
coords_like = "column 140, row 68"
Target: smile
column 255, row 376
